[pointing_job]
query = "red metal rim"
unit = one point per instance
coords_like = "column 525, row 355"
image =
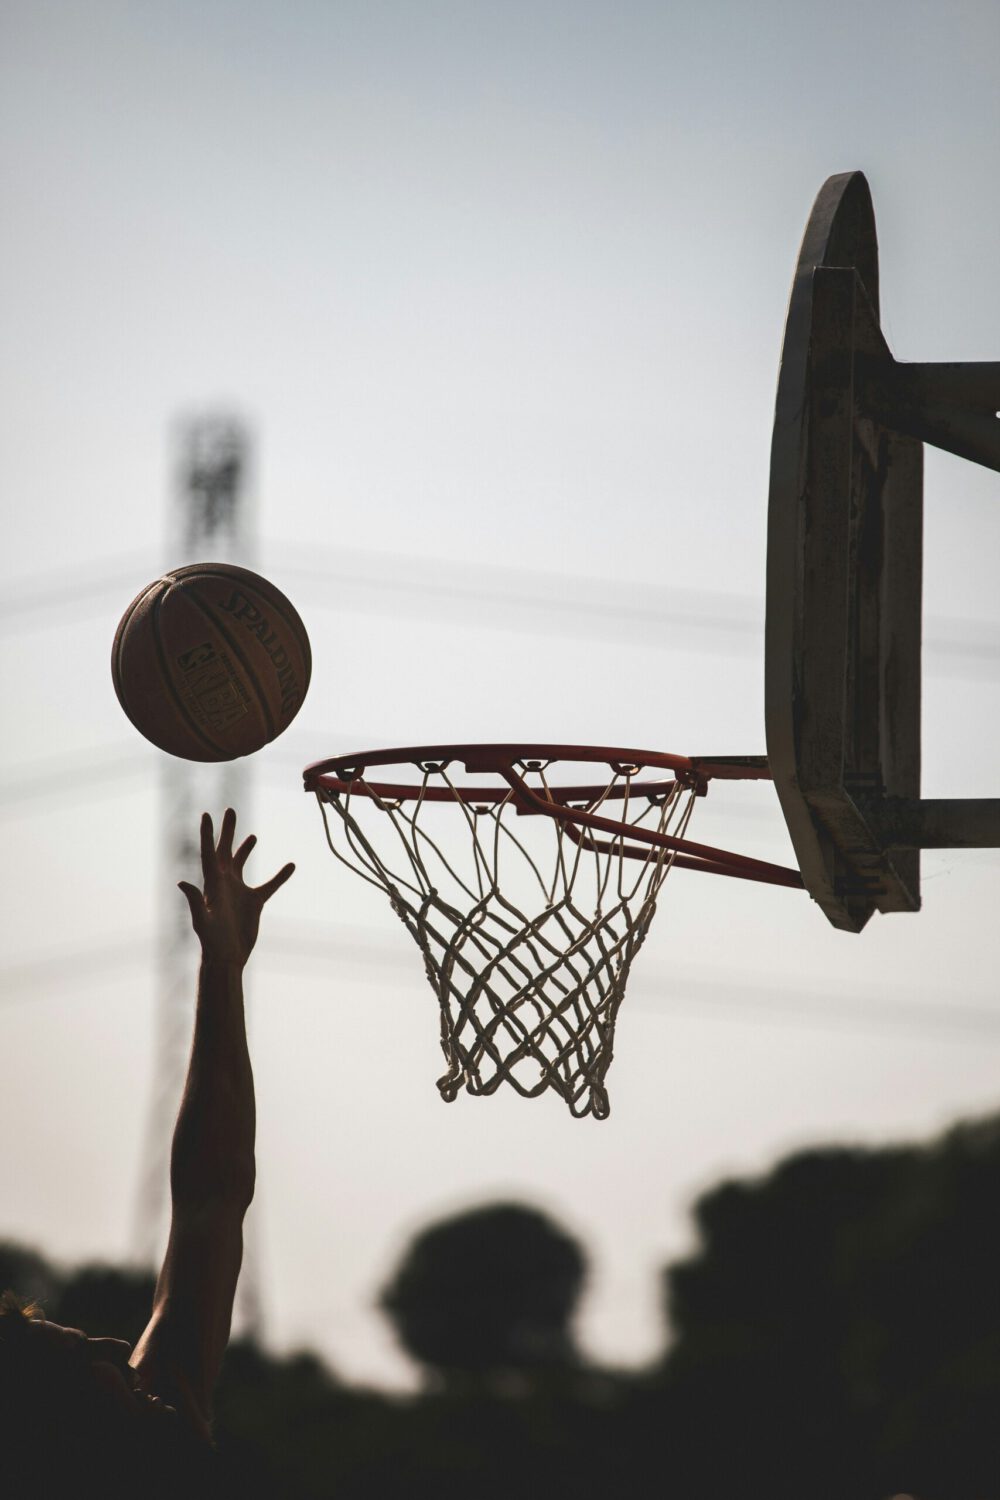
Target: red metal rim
column 346, row 774
column 342, row 773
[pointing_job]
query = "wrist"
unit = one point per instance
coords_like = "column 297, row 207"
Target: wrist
column 223, row 963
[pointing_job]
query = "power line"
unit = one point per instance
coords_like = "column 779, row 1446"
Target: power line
column 655, row 988
column 512, row 599
column 107, row 769
column 68, row 776
column 666, row 990
column 35, row 974
column 810, row 1006
column 77, row 587
column 520, row 599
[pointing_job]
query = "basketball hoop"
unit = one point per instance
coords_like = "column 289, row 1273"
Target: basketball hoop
column 529, row 967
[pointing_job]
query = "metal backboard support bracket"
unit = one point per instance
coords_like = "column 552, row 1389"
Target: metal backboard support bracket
column 844, row 574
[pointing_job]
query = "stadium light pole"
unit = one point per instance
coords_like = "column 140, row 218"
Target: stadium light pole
column 210, row 520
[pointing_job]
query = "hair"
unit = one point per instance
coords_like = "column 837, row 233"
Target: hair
column 14, row 1314
column 22, row 1358
column 56, row 1428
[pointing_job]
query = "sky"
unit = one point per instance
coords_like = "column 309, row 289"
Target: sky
column 499, row 292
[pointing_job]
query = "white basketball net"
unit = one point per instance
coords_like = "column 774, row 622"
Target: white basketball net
column 527, row 996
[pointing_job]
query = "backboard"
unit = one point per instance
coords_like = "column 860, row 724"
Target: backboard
column 844, row 564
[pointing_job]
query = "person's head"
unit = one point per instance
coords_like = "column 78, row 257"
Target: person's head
column 70, row 1404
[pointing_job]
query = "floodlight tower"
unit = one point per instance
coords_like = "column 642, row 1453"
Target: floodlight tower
column 209, row 522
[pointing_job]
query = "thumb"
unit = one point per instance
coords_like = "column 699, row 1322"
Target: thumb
column 195, row 901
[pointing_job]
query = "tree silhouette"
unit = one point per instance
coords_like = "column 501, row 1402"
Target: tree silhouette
column 485, row 1302
column 490, row 1290
column 839, row 1331
column 836, row 1334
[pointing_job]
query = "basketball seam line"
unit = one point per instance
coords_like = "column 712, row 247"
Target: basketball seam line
column 293, row 621
column 244, row 661
column 116, row 650
column 185, row 717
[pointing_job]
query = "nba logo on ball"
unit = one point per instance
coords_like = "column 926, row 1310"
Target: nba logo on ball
column 211, row 662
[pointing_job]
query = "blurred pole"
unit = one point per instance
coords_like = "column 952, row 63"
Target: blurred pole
column 209, row 521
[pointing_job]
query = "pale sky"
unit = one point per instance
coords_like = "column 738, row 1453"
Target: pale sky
column 500, row 289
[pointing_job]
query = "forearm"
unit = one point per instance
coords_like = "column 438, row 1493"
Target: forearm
column 212, row 1158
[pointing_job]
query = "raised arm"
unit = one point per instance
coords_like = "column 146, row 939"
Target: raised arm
column 212, row 1161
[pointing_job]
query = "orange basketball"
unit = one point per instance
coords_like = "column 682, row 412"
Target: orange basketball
column 211, row 662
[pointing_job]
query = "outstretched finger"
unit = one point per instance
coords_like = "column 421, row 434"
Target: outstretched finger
column 243, row 852
column 226, row 834
column 207, row 847
column 267, row 890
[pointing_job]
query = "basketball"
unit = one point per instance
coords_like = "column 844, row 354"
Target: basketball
column 211, row 662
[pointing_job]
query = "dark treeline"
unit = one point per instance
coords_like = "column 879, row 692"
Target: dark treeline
column 836, row 1334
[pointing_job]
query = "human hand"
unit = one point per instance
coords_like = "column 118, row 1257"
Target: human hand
column 226, row 914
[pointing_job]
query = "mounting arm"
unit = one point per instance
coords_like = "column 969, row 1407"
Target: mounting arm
column 931, row 822
column 952, row 406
